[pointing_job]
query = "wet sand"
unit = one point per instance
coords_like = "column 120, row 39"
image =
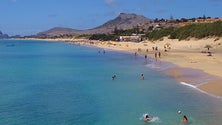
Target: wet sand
column 214, row 87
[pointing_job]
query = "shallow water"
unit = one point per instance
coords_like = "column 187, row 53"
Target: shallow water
column 54, row 83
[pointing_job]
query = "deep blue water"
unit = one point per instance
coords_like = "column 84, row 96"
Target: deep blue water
column 57, row 83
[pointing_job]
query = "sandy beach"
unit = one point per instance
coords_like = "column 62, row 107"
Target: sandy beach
column 186, row 54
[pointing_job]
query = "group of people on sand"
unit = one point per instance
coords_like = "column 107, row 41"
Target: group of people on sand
column 184, row 119
column 157, row 53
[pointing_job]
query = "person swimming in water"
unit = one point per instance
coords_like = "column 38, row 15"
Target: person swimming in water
column 142, row 76
column 113, row 77
column 147, row 118
column 184, row 119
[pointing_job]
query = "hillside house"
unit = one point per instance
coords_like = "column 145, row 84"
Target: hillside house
column 134, row 38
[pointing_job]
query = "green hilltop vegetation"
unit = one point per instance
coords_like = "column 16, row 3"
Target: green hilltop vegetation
column 199, row 30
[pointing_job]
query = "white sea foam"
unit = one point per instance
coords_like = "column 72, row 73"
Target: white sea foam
column 187, row 84
column 195, row 87
column 154, row 119
column 153, row 66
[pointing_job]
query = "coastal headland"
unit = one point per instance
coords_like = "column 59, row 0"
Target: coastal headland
column 198, row 61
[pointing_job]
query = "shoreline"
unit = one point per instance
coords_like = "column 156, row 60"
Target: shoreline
column 192, row 65
column 196, row 68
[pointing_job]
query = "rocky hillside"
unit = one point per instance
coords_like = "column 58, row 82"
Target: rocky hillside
column 123, row 21
column 3, row 36
column 126, row 21
column 57, row 31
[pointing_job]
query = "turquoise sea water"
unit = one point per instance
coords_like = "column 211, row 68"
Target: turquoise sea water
column 57, row 83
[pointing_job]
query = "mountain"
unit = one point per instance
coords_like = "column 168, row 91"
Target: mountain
column 126, row 21
column 59, row 31
column 16, row 36
column 3, row 36
column 123, row 21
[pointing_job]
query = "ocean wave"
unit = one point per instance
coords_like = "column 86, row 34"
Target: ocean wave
column 196, row 88
column 154, row 119
column 187, row 84
column 153, row 66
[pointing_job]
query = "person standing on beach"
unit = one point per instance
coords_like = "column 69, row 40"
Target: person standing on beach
column 165, row 48
column 159, row 54
column 146, row 58
column 156, row 48
column 156, row 56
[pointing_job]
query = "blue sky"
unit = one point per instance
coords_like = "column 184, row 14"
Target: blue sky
column 26, row 17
